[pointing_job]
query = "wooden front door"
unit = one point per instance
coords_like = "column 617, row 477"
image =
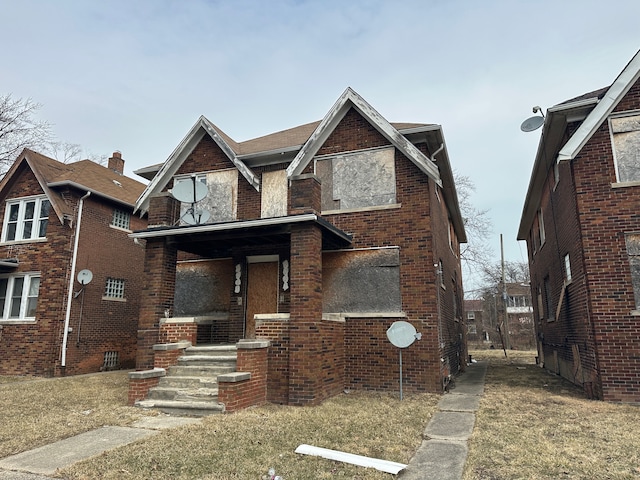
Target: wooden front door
column 262, row 292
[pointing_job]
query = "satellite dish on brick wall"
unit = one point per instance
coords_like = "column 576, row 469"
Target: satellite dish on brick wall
column 189, row 190
column 85, row 276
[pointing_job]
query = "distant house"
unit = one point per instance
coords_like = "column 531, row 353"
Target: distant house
column 316, row 240
column 477, row 333
column 60, row 223
column 581, row 224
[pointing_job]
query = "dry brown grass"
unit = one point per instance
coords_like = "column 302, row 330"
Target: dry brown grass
column 535, row 425
column 246, row 444
column 42, row 411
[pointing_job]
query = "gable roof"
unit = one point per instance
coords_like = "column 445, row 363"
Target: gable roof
column 299, row 144
column 350, row 99
column 83, row 175
column 592, row 109
column 169, row 168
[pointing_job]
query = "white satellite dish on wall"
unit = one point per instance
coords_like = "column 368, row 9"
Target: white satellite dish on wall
column 532, row 123
column 85, row 276
column 189, row 190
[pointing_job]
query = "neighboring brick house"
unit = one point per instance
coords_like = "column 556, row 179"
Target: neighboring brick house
column 581, row 224
column 477, row 331
column 318, row 239
column 58, row 220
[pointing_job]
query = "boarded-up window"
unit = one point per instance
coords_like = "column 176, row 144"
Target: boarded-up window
column 358, row 180
column 221, row 200
column 633, row 252
column 361, row 281
column 274, row 194
column 625, row 133
column 203, row 287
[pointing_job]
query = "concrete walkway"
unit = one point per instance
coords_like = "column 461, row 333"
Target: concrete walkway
column 36, row 464
column 443, row 452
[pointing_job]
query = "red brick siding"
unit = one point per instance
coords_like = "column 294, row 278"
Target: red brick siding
column 277, row 332
column 104, row 327
column 236, row 396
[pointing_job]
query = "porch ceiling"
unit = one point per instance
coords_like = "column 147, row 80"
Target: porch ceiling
column 217, row 239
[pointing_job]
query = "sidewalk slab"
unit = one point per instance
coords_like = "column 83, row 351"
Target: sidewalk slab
column 7, row 475
column 437, row 460
column 162, row 422
column 46, row 460
column 450, row 426
column 455, row 402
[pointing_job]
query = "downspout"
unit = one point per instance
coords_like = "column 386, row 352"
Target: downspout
column 433, row 156
column 72, row 278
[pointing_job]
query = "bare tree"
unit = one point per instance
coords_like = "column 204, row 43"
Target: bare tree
column 19, row 128
column 476, row 253
column 514, row 272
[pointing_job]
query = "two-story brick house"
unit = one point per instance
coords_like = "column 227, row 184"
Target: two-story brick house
column 60, row 220
column 581, row 224
column 317, row 238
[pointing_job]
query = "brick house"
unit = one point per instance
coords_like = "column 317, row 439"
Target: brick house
column 318, row 239
column 580, row 220
column 60, row 220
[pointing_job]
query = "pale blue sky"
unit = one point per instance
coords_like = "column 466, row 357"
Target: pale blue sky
column 135, row 75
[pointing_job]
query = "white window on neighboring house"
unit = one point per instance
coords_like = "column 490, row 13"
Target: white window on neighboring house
column 121, row 219
column 471, row 315
column 19, row 296
column 114, row 288
column 541, row 227
column 625, row 139
column 472, row 329
column 26, row 219
column 567, row 268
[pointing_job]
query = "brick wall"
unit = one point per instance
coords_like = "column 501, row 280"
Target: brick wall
column 103, row 327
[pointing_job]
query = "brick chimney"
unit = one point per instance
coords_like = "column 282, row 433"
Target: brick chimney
column 116, row 163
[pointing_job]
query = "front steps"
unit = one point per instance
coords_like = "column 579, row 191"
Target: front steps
column 190, row 388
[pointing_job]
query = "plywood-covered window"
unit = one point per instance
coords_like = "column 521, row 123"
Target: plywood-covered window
column 221, row 202
column 274, row 194
column 633, row 253
column 625, row 138
column 357, row 180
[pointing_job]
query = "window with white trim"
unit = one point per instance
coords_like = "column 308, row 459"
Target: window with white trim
column 567, row 268
column 114, row 288
column 26, row 219
column 471, row 315
column 19, row 296
column 121, row 219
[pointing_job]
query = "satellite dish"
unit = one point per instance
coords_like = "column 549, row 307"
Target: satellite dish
column 402, row 334
column 532, row 123
column 85, row 276
column 189, row 190
column 196, row 217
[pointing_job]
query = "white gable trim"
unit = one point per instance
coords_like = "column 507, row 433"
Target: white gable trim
column 169, row 168
column 605, row 106
column 331, row 120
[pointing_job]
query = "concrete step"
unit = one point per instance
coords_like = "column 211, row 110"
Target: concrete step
column 183, row 394
column 183, row 408
column 206, row 349
column 175, row 381
column 217, row 359
column 206, row 371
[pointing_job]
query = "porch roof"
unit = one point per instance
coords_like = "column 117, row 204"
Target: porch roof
column 218, row 238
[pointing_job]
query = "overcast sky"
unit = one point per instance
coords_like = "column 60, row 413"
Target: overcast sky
column 135, row 75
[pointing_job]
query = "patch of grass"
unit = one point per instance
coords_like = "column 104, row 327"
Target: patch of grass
column 39, row 412
column 246, row 444
column 535, row 425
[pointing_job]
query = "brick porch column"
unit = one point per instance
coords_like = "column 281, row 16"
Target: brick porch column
column 160, row 279
column 305, row 276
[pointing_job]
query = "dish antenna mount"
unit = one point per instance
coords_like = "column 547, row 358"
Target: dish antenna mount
column 402, row 334
column 533, row 123
column 191, row 191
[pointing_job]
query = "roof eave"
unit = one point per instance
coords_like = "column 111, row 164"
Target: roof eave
column 79, row 186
